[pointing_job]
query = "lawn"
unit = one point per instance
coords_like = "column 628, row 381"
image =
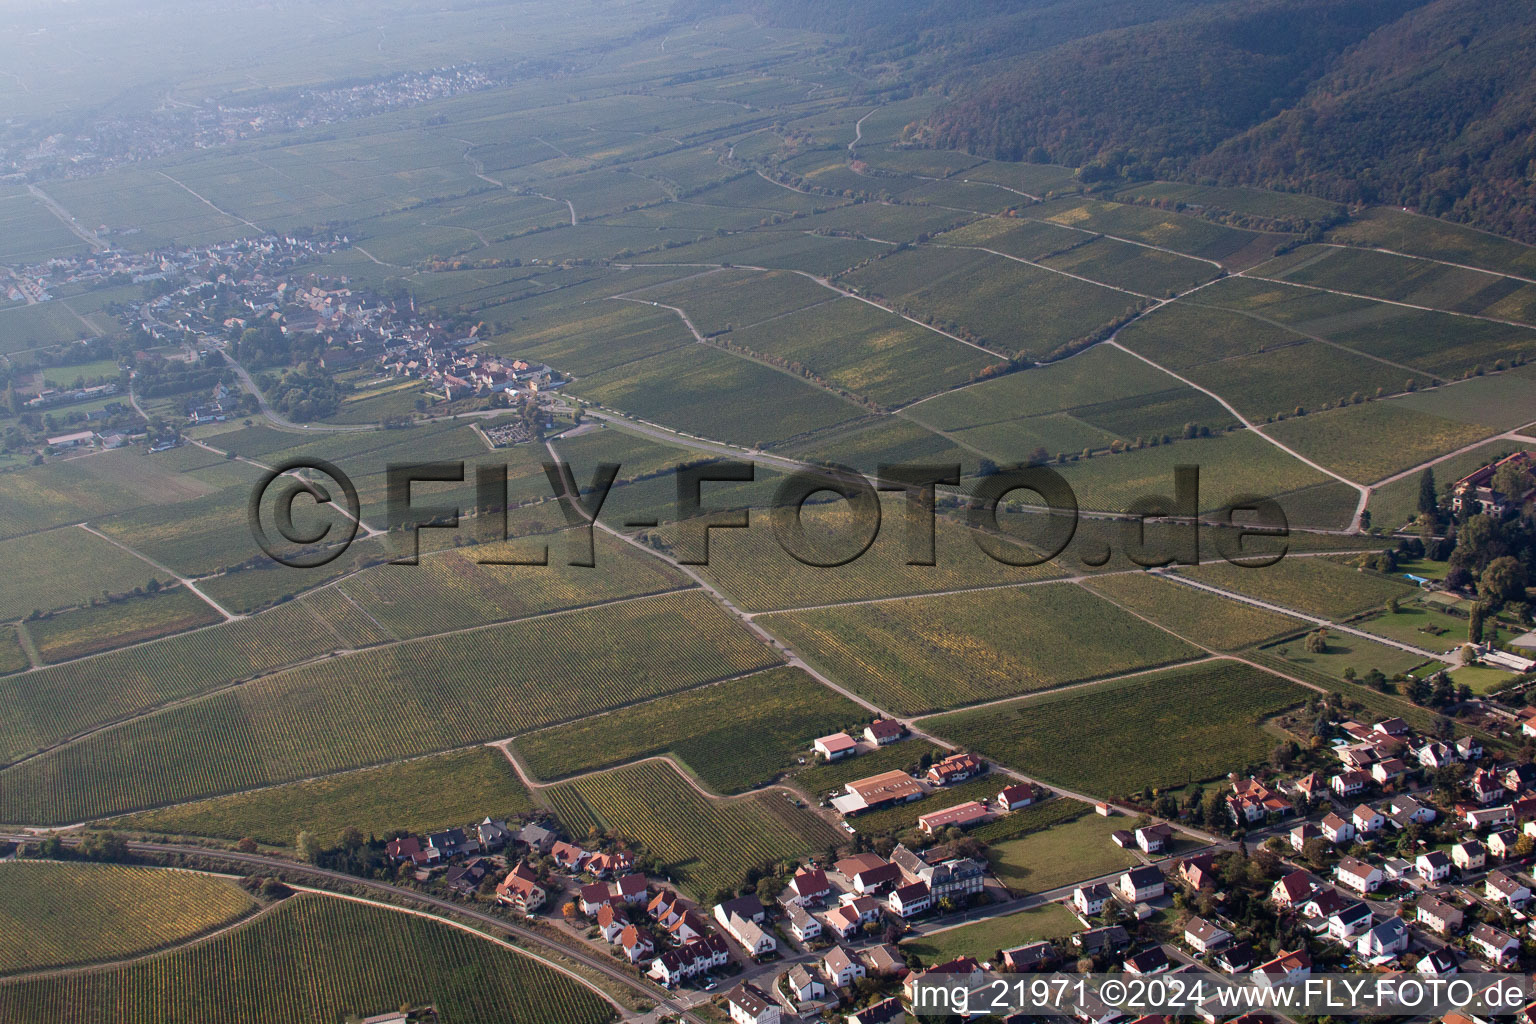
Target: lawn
column 1419, row 624
column 926, row 653
column 1346, row 651
column 416, row 796
column 1481, row 678
column 1059, row 856
column 1159, row 730
column 984, row 938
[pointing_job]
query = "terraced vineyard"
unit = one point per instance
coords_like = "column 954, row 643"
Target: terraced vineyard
column 1160, row 730
column 705, row 845
column 384, row 704
column 59, row 915
column 419, row 795
column 921, row 654
column 733, row 735
column 317, row 958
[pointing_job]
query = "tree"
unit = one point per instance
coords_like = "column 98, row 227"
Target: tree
column 246, row 845
column 308, row 847
column 1503, row 580
column 351, row 839
column 1475, row 625
column 1511, row 480
column 1429, row 500
column 1317, row 642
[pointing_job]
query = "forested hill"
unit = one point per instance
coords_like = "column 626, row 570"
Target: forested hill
column 1428, row 104
column 1436, row 112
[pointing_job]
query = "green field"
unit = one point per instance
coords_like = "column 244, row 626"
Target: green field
column 1195, row 615
column 95, row 628
column 1001, row 303
column 927, row 653
column 1426, row 236
column 384, row 704
column 417, row 796
column 61, row 915
column 12, row 657
column 1231, row 247
column 982, row 939
column 66, row 567
column 1317, row 586
column 1068, row 853
column 705, row 845
column 733, row 735
column 1159, row 730
column 317, row 958
column 1368, row 442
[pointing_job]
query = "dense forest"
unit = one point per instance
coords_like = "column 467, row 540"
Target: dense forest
column 1430, row 105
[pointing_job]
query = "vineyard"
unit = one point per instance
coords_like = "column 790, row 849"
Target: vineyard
column 1317, row 586
column 386, row 703
column 55, row 703
column 316, row 958
column 1160, row 730
column 449, row 591
column 12, row 657
column 926, row 653
column 96, row 628
column 754, row 569
column 64, row 568
column 1372, row 441
column 60, row 915
column 1202, row 617
column 733, row 735
column 418, row 796
column 706, row 845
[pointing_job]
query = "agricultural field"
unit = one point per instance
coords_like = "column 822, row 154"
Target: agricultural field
column 984, row 938
column 725, row 300
column 52, row 704
column 706, row 845
column 385, row 703
column 1197, row 616
column 318, row 958
column 62, row 915
column 854, row 346
column 416, row 796
column 1316, row 586
column 66, row 567
column 1412, row 280
column 1500, row 401
column 1388, row 228
column 58, row 493
column 756, row 571
column 732, row 735
column 1158, row 730
column 32, row 233
column 1007, row 306
column 927, row 653
column 1132, row 267
column 92, row 629
column 1251, row 202
column 12, row 657
column 1346, row 651
column 1058, row 856
column 1232, row 248
column 452, row 590
column 711, row 393
column 1369, row 442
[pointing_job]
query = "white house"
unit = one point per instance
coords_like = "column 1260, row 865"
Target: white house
column 1285, row 969
column 1388, row 938
column 1438, row 916
column 1089, row 900
column 1433, row 866
column 910, row 900
column 1504, row 887
column 801, row 924
column 1348, row 921
column 1142, row 883
column 1357, row 875
column 842, row 968
column 1337, row 830
column 1496, row 945
column 1367, row 820
column 1469, row 855
column 1202, row 936
column 1503, row 842
column 804, row 986
column 750, row 1005
column 836, row 746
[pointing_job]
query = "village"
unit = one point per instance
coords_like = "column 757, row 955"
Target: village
column 1411, row 854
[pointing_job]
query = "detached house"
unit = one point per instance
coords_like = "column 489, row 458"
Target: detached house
column 1089, row 900
column 910, row 900
column 883, row 731
column 836, row 746
column 1291, row 889
column 955, row 768
column 1142, row 883
column 1011, row 798
column 1153, row 838
column 1350, row 783
column 841, row 968
column 1367, row 821
column 1497, row 946
column 1386, row 939
column 801, row 924
column 803, row 985
column 1503, row 842
column 635, row 944
column 1357, row 875
column 1438, row 916
column 521, row 890
column 1285, row 969
column 750, row 1005
column 1433, row 866
column 1504, row 887
column 810, row 886
column 1202, row 936
column 1348, row 921
column 1469, row 855
column 1337, row 830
